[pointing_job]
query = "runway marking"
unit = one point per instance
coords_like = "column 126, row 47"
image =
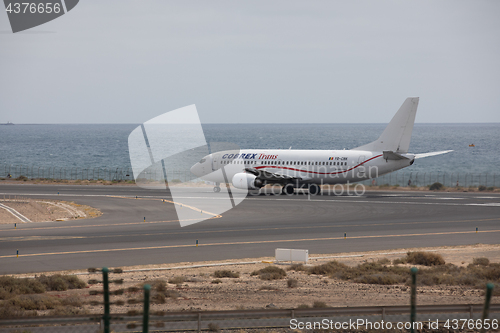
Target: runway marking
column 21, row 238
column 169, row 201
column 243, row 243
column 15, row 213
column 156, row 198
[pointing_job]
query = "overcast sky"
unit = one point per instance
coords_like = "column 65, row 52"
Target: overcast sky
column 255, row 62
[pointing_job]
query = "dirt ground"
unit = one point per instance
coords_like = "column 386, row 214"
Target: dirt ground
column 43, row 210
column 199, row 292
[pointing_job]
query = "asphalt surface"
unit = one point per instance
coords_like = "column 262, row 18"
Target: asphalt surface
column 254, row 228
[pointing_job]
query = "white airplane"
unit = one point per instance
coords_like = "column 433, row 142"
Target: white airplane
column 254, row 168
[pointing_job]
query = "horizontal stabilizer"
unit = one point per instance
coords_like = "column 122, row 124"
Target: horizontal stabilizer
column 390, row 155
column 434, row 153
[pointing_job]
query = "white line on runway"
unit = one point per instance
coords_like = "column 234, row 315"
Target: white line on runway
column 14, row 212
column 341, row 199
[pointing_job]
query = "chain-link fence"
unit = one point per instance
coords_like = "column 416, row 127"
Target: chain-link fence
column 86, row 173
column 398, row 178
column 451, row 179
column 410, row 318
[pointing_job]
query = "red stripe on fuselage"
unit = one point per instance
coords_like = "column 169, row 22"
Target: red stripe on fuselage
column 319, row 173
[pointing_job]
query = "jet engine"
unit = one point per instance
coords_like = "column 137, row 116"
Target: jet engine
column 246, row 181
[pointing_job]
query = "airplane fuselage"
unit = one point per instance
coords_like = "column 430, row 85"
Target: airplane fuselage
column 310, row 166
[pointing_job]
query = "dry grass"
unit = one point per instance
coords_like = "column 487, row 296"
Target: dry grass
column 10, row 287
column 177, row 280
column 270, row 273
column 481, row 261
column 297, row 268
column 475, row 275
column 319, row 304
column 159, row 291
column 292, row 283
column 226, row 274
column 424, row 258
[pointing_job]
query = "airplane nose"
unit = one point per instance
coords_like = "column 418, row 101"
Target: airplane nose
column 195, row 169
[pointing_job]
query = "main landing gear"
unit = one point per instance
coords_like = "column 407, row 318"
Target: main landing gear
column 288, row 189
column 314, row 189
column 217, row 188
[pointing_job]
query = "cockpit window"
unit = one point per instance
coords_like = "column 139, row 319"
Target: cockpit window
column 202, row 160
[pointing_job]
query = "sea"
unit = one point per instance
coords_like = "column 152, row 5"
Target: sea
column 106, row 145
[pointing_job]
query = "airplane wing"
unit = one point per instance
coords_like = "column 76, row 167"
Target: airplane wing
column 434, row 153
column 271, row 177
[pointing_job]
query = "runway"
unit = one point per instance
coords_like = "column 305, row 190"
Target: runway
column 120, row 237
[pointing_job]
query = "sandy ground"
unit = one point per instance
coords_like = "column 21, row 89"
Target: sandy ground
column 198, row 292
column 42, row 210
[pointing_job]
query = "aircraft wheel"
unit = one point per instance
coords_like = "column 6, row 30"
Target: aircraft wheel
column 288, row 189
column 216, row 189
column 314, row 189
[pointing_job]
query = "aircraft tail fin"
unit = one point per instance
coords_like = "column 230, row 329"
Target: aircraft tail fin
column 397, row 135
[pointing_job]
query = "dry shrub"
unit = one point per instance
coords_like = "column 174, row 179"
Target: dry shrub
column 212, row 327
column 303, row 306
column 297, row 268
column 10, row 286
column 424, row 258
column 481, row 261
column 58, row 282
column 15, row 312
column 368, row 273
column 319, row 304
column 33, row 302
column 292, row 283
column 436, row 187
column 329, row 268
column 177, row 280
column 73, row 300
column 270, row 273
column 216, row 281
column 384, row 261
column 226, row 274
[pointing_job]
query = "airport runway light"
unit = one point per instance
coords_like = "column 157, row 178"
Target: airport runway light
column 15, row 225
column 144, row 218
column 196, row 243
column 18, row 252
column 345, row 235
column 476, row 230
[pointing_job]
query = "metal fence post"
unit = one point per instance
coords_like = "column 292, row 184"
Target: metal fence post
column 413, row 300
column 105, row 283
column 486, row 310
column 145, row 320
